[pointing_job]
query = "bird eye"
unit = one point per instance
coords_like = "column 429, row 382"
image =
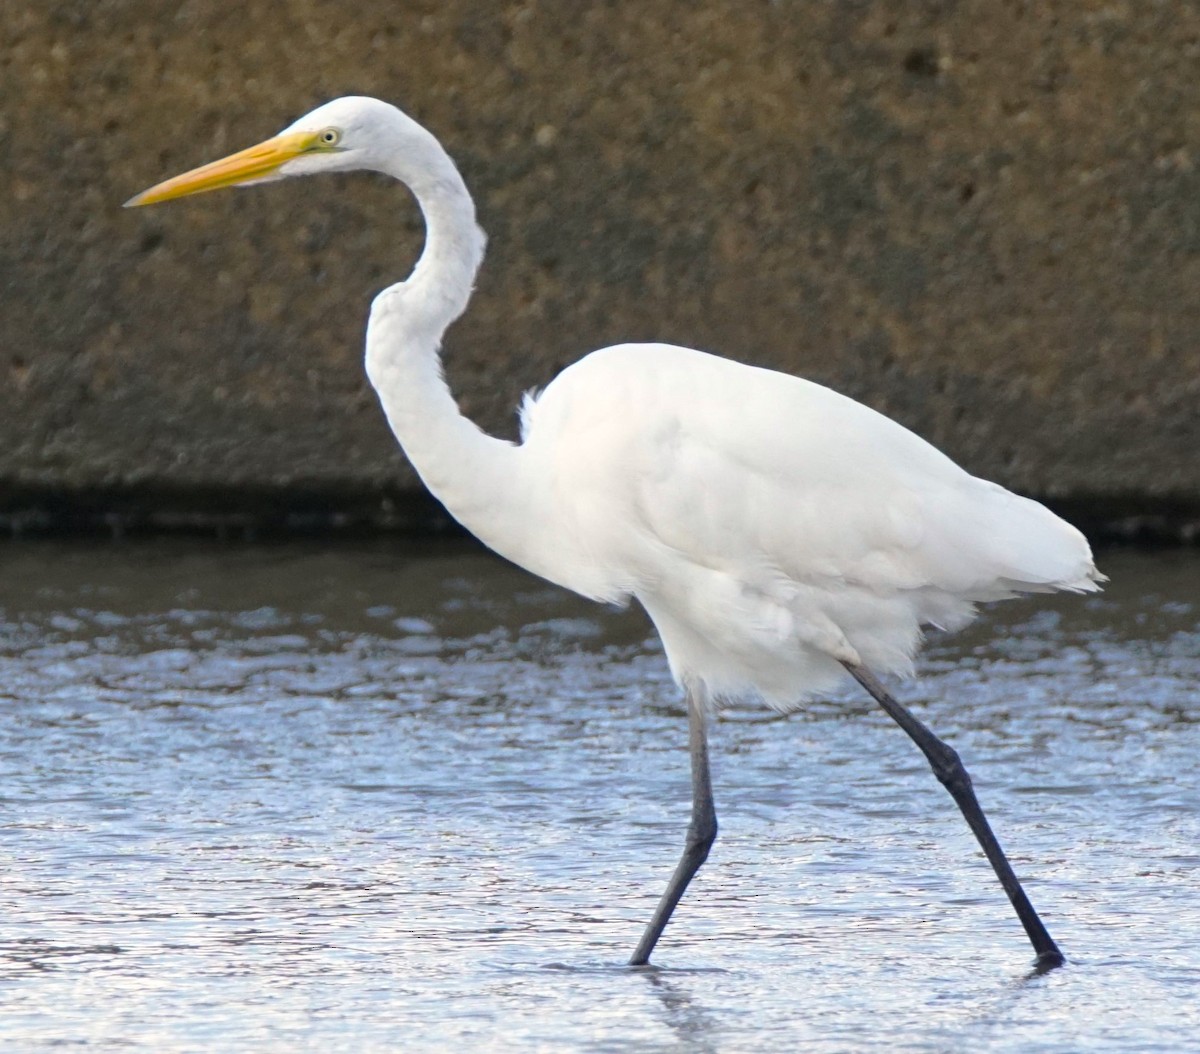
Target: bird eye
column 329, row 137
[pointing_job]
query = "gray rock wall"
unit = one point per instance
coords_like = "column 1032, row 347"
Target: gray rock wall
column 980, row 217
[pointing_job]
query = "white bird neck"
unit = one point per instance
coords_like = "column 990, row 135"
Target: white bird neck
column 476, row 476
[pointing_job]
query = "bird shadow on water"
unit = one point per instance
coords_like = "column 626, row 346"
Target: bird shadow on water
column 990, row 1017
column 693, row 1025
column 983, row 1015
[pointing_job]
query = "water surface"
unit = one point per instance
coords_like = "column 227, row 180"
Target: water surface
column 404, row 797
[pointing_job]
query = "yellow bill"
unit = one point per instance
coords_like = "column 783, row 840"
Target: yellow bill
column 245, row 166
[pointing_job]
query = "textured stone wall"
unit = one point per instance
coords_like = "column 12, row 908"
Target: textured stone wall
column 981, row 217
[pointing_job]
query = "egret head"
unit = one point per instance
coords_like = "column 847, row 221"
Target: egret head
column 350, row 133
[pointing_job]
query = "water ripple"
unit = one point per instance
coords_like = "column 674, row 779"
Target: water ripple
column 382, row 798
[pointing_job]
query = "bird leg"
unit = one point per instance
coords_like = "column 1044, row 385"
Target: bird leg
column 702, row 831
column 949, row 770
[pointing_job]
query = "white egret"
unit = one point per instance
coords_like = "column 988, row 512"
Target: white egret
column 778, row 534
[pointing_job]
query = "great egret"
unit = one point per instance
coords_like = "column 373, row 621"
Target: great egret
column 777, row 533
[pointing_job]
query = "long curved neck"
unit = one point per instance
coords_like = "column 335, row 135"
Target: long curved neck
column 476, row 476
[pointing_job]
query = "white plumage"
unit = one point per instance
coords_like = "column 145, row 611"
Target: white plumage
column 772, row 528
column 777, row 533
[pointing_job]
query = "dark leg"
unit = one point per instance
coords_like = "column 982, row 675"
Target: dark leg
column 950, row 772
column 702, row 831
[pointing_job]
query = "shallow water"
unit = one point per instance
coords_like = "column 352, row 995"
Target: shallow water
column 399, row 797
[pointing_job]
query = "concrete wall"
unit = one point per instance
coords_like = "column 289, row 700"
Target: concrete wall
column 980, row 217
